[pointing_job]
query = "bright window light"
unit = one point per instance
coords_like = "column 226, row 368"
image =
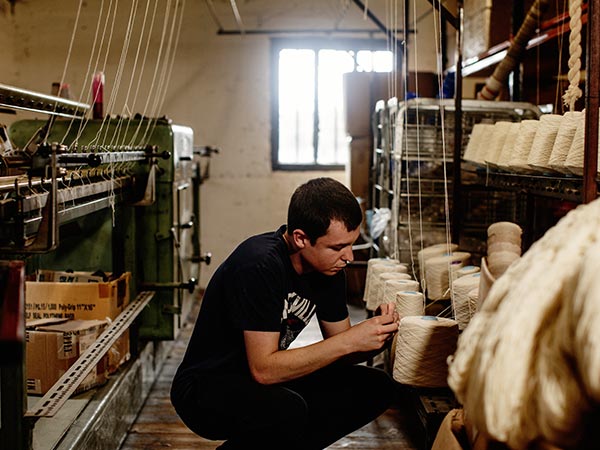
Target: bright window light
column 311, row 116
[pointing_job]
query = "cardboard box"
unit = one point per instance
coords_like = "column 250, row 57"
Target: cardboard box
column 53, row 345
column 80, row 296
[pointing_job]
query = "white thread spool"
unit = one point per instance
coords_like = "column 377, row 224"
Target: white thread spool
column 523, row 144
column 429, row 252
column 476, row 141
column 390, row 284
column 370, row 272
column 509, row 144
column 375, row 282
column 564, row 140
column 458, row 271
column 499, row 262
column 543, row 142
column 463, row 307
column 410, row 303
column 437, row 273
column 494, row 146
column 423, row 346
column 507, row 232
column 575, row 158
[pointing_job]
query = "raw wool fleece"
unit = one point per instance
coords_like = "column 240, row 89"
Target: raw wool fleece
column 527, row 367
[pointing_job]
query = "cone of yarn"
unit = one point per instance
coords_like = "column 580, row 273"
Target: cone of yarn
column 504, row 232
column 410, row 303
column 543, row 142
column 375, row 283
column 428, row 252
column 370, row 271
column 575, row 158
column 423, row 346
column 509, row 144
column 494, row 145
column 477, row 139
column 464, row 307
column 437, row 273
column 457, row 271
column 499, row 262
column 564, row 140
column 523, row 143
column 393, row 282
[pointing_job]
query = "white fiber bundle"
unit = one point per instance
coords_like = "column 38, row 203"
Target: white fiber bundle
column 527, row 366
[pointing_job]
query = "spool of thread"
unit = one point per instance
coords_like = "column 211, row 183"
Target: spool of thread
column 422, row 349
column 437, row 273
column 523, row 144
column 504, row 232
column 390, row 284
column 509, row 145
column 476, row 140
column 499, row 262
column 463, row 308
column 493, row 147
column 575, row 158
column 431, row 251
column 564, row 140
column 375, row 281
column 458, row 271
column 543, row 142
column 372, row 262
column 410, row 303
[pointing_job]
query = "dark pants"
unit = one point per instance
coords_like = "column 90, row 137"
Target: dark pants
column 305, row 414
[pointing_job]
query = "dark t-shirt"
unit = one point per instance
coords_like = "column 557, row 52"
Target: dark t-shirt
column 256, row 288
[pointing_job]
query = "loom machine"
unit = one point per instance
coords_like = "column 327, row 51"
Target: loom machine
column 117, row 194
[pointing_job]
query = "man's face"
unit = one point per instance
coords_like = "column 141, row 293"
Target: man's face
column 331, row 251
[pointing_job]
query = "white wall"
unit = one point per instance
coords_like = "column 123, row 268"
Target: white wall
column 220, row 87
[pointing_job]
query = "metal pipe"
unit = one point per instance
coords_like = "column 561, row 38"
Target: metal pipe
column 34, row 101
column 308, row 31
column 456, row 185
column 592, row 89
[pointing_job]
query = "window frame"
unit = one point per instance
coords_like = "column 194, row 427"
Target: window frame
column 316, row 44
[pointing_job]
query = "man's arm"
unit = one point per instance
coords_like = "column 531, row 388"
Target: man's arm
column 269, row 365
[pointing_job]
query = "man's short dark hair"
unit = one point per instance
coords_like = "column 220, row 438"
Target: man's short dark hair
column 319, row 201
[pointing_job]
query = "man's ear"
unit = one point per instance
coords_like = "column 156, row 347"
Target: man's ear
column 299, row 238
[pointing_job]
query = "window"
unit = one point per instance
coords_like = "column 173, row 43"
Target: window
column 308, row 116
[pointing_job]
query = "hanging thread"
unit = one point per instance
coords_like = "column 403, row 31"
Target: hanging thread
column 573, row 91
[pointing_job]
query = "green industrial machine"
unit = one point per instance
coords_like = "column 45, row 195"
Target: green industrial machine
column 119, row 207
column 109, row 195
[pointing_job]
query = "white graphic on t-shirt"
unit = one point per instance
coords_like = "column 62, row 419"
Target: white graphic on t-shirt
column 296, row 314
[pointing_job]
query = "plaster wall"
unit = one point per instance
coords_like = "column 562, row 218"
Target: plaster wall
column 220, row 87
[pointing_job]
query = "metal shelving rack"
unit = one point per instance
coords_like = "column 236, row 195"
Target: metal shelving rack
column 413, row 173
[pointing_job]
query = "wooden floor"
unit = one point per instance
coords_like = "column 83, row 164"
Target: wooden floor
column 158, row 427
